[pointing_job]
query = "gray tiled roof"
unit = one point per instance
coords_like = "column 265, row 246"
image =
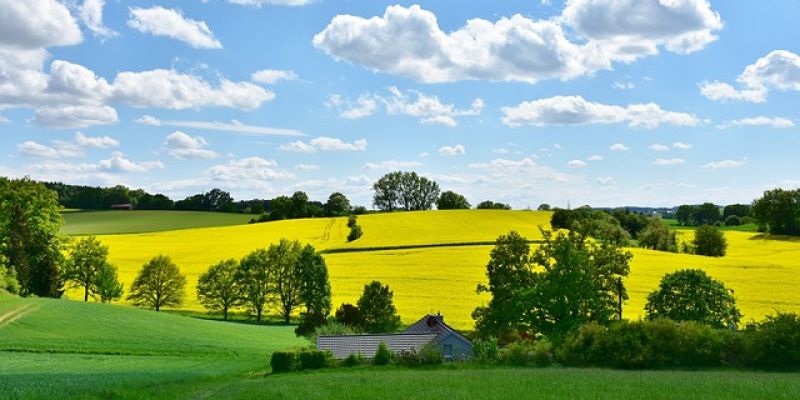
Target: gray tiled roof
column 433, row 324
column 367, row 345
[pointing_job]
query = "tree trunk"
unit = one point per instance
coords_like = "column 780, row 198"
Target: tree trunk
column 86, row 293
column 258, row 317
column 225, row 313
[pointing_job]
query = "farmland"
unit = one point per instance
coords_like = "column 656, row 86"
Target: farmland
column 763, row 271
column 112, row 222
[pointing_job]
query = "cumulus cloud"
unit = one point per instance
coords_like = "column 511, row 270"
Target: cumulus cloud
column 364, row 107
column 575, row 110
column 91, row 13
column 576, row 163
column 120, row 163
column 259, row 3
column 183, row 147
column 774, row 122
column 392, row 165
column 324, row 143
column 668, row 161
column 595, row 157
column 682, row 146
column 658, row 147
column 428, row 109
column 57, row 150
column 148, row 120
column 619, row 147
column 37, row 24
column 71, row 117
column 251, row 170
column 724, row 164
column 273, row 76
column 778, row 70
column 408, row 41
column 160, row 21
column 98, row 142
column 306, row 167
column 234, row 126
column 456, row 150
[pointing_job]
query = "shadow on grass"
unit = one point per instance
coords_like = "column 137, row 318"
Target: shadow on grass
column 781, row 238
column 234, row 318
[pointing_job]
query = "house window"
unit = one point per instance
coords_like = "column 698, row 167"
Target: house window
column 448, row 350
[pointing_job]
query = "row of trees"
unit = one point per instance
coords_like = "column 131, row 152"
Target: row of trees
column 778, row 212
column 710, row 214
column 98, row 198
column 408, row 191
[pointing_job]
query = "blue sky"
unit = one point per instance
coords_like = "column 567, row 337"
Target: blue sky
column 601, row 102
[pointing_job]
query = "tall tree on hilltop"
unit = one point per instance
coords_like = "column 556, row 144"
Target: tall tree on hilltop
column 159, row 284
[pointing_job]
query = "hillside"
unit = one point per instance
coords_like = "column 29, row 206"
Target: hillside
column 119, row 222
column 60, row 348
column 763, row 271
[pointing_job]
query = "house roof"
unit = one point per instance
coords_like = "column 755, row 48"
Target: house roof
column 367, row 345
column 434, row 324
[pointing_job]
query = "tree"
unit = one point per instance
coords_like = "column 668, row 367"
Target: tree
column 685, row 215
column 490, row 205
column 254, row 279
column 219, row 287
column 707, row 214
column 377, row 309
column 337, row 204
column 87, row 260
column 315, row 290
column 8, row 277
column 158, row 284
column 709, row 241
column 450, row 200
column 739, row 210
column 544, row 207
column 733, row 220
column 284, row 275
column 691, row 295
column 213, row 200
column 404, row 190
column 29, row 236
column 299, row 205
column 778, row 211
column 349, row 315
column 109, row 288
column 280, row 208
column 658, row 236
column 508, row 270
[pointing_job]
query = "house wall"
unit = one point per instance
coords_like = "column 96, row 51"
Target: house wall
column 461, row 349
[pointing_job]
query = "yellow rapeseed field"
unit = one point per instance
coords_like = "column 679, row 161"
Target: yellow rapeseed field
column 765, row 274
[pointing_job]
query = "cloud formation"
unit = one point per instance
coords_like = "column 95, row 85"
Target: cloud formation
column 778, row 70
column 183, row 147
column 324, row 143
column 171, row 23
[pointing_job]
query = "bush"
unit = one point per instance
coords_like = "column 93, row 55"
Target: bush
column 313, row 359
column 485, row 350
column 523, row 353
column 733, row 220
column 585, row 346
column 353, row 360
column 776, row 341
column 350, row 315
column 692, row 295
column 351, row 221
column 283, row 361
column 383, row 356
column 430, row 354
column 709, row 241
column 355, row 233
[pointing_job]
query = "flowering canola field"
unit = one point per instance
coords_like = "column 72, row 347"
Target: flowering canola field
column 765, row 273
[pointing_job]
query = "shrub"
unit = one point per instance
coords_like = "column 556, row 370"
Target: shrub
column 658, row 236
column 733, row 220
column 283, row 361
column 776, row 341
column 353, row 360
column 585, row 346
column 383, row 356
column 430, row 354
column 542, row 353
column 351, row 221
column 692, row 295
column 523, row 352
column 355, row 233
column 709, row 241
column 331, row 328
column 313, row 359
column 349, row 315
column 408, row 358
column 485, row 350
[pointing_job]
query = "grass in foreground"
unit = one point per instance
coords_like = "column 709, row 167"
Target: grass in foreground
column 118, row 222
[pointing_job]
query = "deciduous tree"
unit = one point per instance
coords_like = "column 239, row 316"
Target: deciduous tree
column 692, row 295
column 709, row 241
column 88, row 259
column 158, row 284
column 377, row 308
column 219, row 287
column 450, row 200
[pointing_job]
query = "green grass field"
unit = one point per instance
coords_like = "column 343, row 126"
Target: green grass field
column 121, row 222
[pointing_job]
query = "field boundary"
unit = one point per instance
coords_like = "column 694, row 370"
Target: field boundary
column 415, row 246
column 17, row 313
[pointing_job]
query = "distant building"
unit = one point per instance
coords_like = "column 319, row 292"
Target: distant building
column 126, row 207
column 431, row 329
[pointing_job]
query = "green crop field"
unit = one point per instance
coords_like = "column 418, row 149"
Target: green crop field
column 120, row 222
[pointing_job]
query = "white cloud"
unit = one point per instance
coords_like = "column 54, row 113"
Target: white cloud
column 57, row 150
column 306, row 167
column 780, row 69
column 233, row 127
column 774, row 122
column 725, row 164
column 160, row 21
column 668, row 161
column 37, row 24
column 424, row 154
column 99, row 142
column 161, row 88
column 273, row 76
column 606, row 181
column 619, row 147
column 658, row 147
column 71, row 117
column 248, row 171
column 452, row 150
column 393, row 165
column 595, row 157
column 183, row 146
column 682, row 146
column 324, row 143
column 623, row 85
column 119, row 163
column 4, row 120
column 408, row 41
column 364, row 107
column 576, row 164
column 91, row 13
column 575, row 110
